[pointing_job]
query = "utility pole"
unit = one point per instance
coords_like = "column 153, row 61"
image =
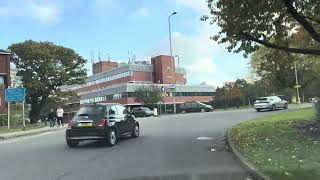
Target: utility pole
column 297, row 83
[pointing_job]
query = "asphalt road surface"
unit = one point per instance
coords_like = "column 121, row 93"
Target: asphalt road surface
column 176, row 147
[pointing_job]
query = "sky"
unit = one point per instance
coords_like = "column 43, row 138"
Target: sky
column 115, row 27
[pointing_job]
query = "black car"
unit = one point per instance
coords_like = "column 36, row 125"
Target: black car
column 105, row 122
column 195, row 107
column 142, row 112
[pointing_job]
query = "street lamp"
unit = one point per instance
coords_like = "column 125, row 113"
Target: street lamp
column 178, row 57
column 173, row 75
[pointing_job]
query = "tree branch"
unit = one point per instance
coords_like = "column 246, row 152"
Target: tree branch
column 302, row 20
column 249, row 37
column 312, row 19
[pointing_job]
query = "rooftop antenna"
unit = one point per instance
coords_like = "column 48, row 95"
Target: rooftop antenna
column 108, row 57
column 92, row 57
column 129, row 58
column 134, row 58
column 99, row 57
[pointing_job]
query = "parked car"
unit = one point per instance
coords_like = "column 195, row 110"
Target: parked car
column 195, row 107
column 285, row 97
column 272, row 103
column 313, row 100
column 105, row 122
column 142, row 112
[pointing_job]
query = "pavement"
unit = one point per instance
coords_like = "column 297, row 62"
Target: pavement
column 30, row 132
column 177, row 147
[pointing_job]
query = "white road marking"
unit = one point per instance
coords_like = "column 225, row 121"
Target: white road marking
column 28, row 137
column 204, row 138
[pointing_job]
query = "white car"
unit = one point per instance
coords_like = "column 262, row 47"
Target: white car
column 271, row 103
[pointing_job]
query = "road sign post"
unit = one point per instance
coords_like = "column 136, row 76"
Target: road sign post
column 8, row 115
column 15, row 95
column 23, row 119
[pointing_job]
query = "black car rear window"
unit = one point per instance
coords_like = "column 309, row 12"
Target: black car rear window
column 91, row 110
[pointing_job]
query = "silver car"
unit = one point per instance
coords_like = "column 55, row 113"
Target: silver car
column 271, row 103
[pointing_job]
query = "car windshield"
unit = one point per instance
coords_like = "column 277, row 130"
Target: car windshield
column 202, row 104
column 159, row 89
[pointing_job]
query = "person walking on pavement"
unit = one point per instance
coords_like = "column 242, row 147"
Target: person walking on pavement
column 60, row 116
column 52, row 118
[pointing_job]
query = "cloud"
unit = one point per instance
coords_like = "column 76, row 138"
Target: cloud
column 197, row 55
column 141, row 12
column 45, row 13
column 204, row 60
column 197, row 5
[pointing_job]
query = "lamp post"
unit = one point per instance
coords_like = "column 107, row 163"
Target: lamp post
column 178, row 57
column 173, row 70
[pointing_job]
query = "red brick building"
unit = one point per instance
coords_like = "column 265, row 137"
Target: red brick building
column 116, row 82
column 4, row 77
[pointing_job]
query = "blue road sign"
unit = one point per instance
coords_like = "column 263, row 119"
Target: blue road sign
column 15, row 94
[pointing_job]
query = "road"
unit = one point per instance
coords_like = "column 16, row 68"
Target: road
column 176, row 147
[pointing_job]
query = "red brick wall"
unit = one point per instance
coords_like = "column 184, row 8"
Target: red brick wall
column 5, row 73
column 131, row 100
column 4, row 64
column 138, row 76
column 163, row 67
column 188, row 99
column 105, row 84
column 141, row 76
column 180, row 79
column 103, row 66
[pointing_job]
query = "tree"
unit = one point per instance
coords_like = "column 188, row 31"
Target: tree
column 228, row 95
column 44, row 68
column 246, row 24
column 275, row 68
column 148, row 94
column 240, row 92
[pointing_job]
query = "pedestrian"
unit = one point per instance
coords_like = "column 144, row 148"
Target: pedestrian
column 52, row 118
column 60, row 116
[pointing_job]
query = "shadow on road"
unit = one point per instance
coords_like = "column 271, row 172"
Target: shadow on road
column 100, row 144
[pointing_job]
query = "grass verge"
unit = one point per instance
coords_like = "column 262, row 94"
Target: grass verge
column 278, row 148
column 4, row 129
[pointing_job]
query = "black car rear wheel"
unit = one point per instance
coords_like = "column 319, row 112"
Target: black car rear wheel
column 112, row 138
column 136, row 131
column 285, row 106
column 72, row 143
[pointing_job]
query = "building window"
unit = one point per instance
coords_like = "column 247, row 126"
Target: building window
column 1, row 80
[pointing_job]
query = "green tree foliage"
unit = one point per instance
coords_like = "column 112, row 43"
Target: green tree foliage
column 275, row 68
column 44, row 68
column 148, row 95
column 240, row 93
column 228, row 95
column 246, row 24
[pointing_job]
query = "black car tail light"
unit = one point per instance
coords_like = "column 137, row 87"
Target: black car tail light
column 102, row 122
column 71, row 124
